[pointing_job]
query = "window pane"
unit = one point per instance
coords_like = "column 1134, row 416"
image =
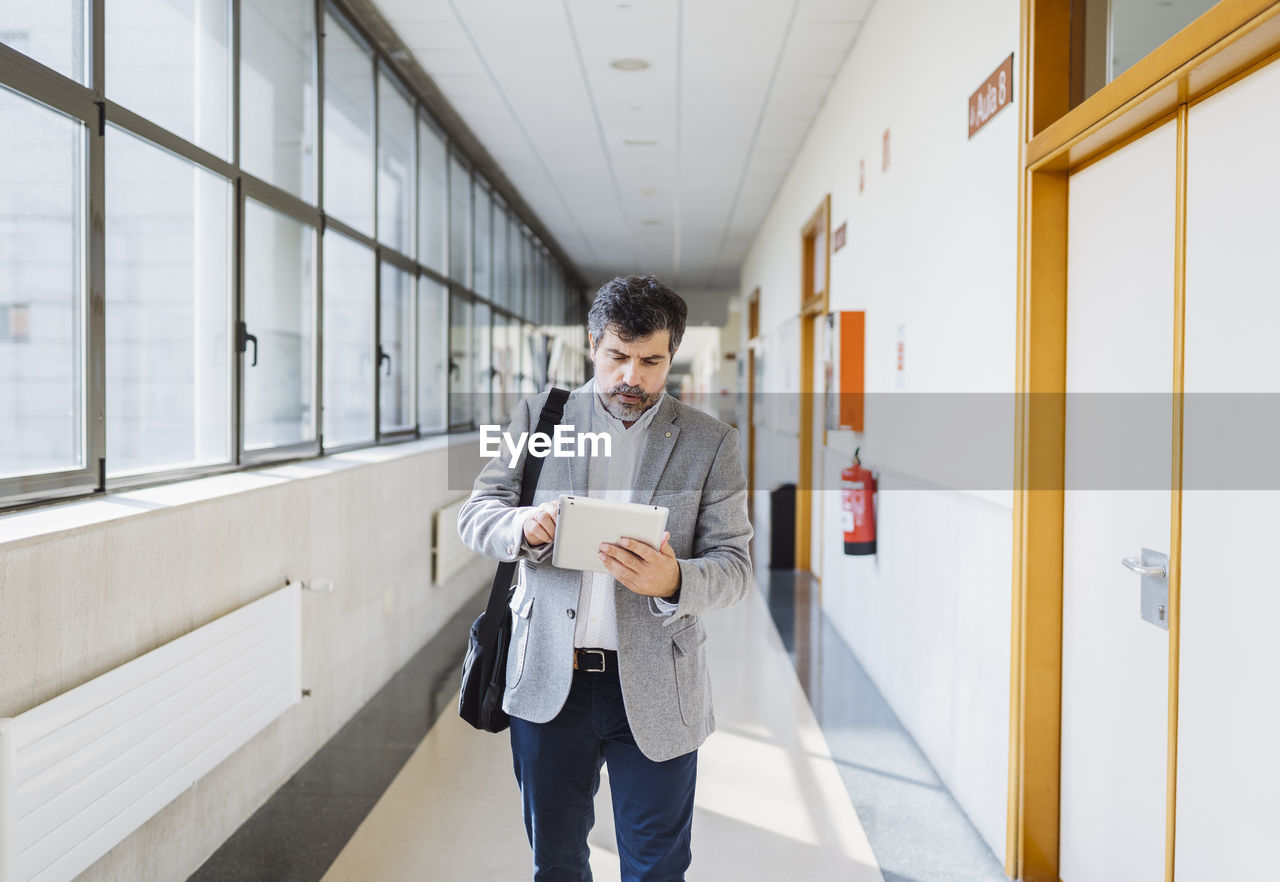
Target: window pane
column 433, row 354
column 528, row 277
column 433, row 197
column 483, row 361
column 395, row 167
column 54, row 34
column 501, row 284
column 348, row 341
column 278, row 93
column 169, row 62
column 517, row 267
column 168, row 239
column 461, row 375
column 481, row 258
column 506, row 367
column 348, row 128
column 279, row 284
column 1139, row 27
column 41, row 288
column 395, row 375
column 459, row 223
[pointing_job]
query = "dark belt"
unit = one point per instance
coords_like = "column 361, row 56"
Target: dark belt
column 594, row 661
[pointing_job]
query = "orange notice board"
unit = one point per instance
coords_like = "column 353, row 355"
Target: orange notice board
column 845, row 369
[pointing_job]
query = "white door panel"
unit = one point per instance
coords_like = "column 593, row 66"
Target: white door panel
column 1228, row 797
column 1115, row 665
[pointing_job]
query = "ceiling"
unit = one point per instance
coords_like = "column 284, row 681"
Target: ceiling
column 669, row 169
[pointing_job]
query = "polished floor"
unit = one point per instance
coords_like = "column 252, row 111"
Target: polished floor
column 809, row 777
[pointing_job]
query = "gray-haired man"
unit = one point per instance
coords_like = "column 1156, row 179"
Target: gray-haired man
column 612, row 668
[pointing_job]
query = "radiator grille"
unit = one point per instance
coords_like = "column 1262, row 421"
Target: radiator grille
column 84, row 770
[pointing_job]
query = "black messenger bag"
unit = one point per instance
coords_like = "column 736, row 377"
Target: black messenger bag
column 484, row 670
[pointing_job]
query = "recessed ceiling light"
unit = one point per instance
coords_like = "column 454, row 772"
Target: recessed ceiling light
column 629, row 64
column 651, row 222
column 638, row 142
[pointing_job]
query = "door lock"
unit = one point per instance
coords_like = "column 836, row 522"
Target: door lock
column 1154, row 569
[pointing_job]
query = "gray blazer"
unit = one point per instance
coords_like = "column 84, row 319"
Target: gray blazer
column 691, row 466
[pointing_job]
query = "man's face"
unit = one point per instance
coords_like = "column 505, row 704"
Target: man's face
column 631, row 376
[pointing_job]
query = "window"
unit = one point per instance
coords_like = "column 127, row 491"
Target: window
column 482, row 358
column 506, row 367
column 395, row 167
column 168, row 315
column 1116, row 34
column 348, row 341
column 501, row 262
column 461, row 372
column 482, row 256
column 42, row 287
column 54, row 34
column 433, row 197
column 279, row 287
column 348, row 128
column 278, row 93
column 433, row 354
column 459, row 222
column 516, row 254
column 395, row 375
column 170, row 62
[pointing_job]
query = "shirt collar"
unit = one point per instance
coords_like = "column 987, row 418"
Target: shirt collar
column 614, row 424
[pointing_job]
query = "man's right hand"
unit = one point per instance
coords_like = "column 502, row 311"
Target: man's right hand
column 540, row 525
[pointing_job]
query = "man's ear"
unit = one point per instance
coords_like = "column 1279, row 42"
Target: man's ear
column 591, row 342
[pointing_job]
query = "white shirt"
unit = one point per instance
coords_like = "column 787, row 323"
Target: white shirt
column 611, row 477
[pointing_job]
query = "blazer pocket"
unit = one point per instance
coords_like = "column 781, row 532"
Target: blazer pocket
column 521, row 607
column 690, row 656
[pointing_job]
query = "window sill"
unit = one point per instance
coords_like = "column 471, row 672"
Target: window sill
column 66, row 517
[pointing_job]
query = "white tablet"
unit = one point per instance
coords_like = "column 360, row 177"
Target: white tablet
column 583, row 523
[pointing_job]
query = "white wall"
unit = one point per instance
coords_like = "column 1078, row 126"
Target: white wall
column 931, row 246
column 86, row 587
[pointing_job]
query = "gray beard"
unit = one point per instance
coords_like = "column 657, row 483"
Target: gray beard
column 627, row 413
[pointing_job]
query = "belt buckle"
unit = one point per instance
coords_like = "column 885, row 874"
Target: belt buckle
column 599, row 652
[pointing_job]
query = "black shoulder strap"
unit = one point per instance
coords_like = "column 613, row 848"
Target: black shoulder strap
column 550, row 417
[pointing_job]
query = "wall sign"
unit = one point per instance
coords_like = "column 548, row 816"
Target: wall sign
column 992, row 96
column 837, row 240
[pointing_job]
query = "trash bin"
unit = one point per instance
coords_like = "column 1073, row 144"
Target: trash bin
column 782, row 530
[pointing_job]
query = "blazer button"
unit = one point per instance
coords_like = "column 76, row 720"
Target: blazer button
column 570, row 613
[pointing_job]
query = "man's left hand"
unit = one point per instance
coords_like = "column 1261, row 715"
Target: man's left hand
column 641, row 568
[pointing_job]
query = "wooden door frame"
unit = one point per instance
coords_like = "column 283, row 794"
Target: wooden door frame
column 1229, row 41
column 814, row 300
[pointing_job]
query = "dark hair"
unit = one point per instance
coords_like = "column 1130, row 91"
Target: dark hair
column 636, row 307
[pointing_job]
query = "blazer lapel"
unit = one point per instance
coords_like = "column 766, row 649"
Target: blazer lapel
column 657, row 450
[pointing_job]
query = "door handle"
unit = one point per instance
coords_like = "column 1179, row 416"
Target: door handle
column 1135, row 565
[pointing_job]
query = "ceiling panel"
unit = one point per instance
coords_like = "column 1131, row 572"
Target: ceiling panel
column 726, row 101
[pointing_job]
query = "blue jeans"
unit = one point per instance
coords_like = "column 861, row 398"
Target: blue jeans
column 558, row 765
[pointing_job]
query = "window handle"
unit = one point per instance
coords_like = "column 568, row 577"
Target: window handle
column 243, row 338
column 383, row 355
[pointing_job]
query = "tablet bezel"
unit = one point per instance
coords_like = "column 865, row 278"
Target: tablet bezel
column 578, row 535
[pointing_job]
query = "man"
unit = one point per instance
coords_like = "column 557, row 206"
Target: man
column 612, row 668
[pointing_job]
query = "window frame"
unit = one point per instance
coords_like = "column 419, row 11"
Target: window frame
column 511, row 297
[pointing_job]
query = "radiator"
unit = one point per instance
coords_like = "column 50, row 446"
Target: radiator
column 81, row 772
column 450, row 554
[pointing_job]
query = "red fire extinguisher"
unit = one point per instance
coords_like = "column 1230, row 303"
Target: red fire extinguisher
column 857, row 507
